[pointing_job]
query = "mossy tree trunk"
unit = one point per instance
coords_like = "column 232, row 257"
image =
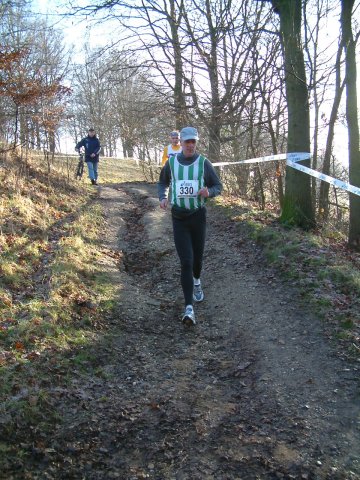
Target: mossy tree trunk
column 352, row 120
column 297, row 208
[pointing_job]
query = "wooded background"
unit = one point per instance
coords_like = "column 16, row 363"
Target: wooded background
column 255, row 77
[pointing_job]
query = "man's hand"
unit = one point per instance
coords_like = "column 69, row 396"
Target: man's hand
column 203, row 192
column 92, row 155
column 164, row 203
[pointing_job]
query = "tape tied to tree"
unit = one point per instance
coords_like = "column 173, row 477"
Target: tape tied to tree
column 292, row 160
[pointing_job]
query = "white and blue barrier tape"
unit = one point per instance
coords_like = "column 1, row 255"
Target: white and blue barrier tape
column 291, row 160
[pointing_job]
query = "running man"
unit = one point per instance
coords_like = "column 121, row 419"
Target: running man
column 173, row 148
column 193, row 179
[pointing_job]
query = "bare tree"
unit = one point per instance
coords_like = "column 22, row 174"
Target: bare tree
column 201, row 52
column 31, row 81
column 324, row 187
column 298, row 208
column 220, row 56
column 352, row 118
column 324, row 77
column 274, row 107
column 112, row 93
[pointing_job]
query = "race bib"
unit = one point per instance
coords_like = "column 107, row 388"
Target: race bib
column 187, row 188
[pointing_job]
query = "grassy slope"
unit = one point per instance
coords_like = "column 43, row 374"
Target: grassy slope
column 50, row 267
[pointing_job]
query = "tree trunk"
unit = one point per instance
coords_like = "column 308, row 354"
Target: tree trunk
column 179, row 98
column 52, row 143
column 324, row 186
column 298, row 209
column 352, row 120
column 275, row 152
column 128, row 148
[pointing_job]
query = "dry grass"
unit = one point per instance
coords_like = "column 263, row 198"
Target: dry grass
column 53, row 291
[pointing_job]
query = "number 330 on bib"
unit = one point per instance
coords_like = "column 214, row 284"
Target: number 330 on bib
column 187, row 188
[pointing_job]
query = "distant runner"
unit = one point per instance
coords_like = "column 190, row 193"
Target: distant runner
column 193, row 179
column 173, row 148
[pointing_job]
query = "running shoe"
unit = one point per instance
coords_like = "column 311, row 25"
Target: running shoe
column 189, row 316
column 198, row 294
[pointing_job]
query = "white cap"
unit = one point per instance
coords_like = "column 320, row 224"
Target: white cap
column 189, row 133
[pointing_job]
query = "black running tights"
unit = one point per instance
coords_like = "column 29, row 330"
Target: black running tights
column 189, row 237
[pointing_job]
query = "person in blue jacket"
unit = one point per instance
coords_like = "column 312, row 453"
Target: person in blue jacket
column 92, row 148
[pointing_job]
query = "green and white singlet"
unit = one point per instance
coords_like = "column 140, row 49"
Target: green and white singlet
column 186, row 181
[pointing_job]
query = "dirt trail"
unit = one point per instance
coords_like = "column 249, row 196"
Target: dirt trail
column 254, row 391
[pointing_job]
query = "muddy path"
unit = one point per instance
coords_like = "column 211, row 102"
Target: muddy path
column 254, row 391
